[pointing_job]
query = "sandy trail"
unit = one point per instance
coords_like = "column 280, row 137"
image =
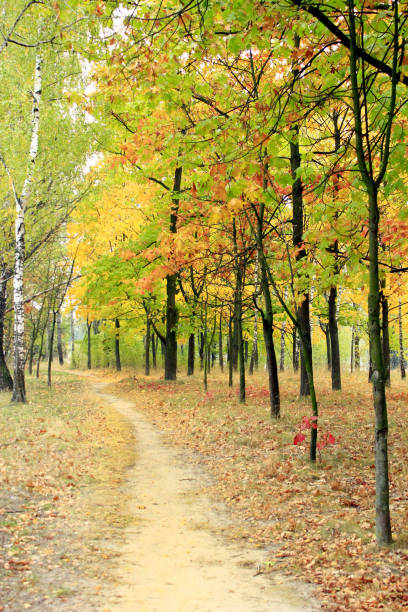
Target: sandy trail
column 175, row 558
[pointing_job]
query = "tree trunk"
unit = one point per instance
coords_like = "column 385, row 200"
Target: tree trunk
column 295, row 350
column 304, row 323
column 297, row 204
column 170, row 357
column 117, row 346
column 356, row 350
column 401, row 341
column 154, row 347
column 51, row 346
column 220, row 347
column 88, row 329
column 385, row 335
column 352, row 350
column 191, row 354
column 328, row 348
column 147, row 348
column 201, row 349
column 230, row 368
column 334, row 341
column 59, row 340
column 282, row 348
column 6, row 382
column 19, row 391
column 72, row 335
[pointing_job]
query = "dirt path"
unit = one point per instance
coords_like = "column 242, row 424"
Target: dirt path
column 175, row 558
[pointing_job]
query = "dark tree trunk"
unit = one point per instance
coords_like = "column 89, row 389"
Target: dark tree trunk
column 191, row 354
column 201, row 349
column 235, row 341
column 246, row 350
column 230, row 368
column 238, row 338
column 273, row 380
column 117, row 346
column 303, row 314
column 352, row 350
column 304, row 323
column 328, row 347
column 154, row 352
column 88, row 329
column 220, row 347
column 59, row 340
column 334, row 341
column 385, row 336
column 170, row 358
column 6, row 382
column 170, row 355
column 51, row 346
column 147, row 347
column 401, row 341
column 295, row 350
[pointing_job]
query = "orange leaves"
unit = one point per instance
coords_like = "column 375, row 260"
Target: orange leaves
column 126, row 255
column 219, row 191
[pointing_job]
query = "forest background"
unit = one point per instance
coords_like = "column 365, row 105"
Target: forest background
column 220, row 186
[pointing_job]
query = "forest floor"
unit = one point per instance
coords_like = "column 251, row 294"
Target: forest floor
column 208, row 494
column 63, row 463
column 315, row 522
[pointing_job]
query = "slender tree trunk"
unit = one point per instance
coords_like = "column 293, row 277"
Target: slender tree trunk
column 170, row 359
column 6, row 382
column 72, row 336
column 89, row 351
column 191, row 354
column 334, row 340
column 379, row 373
column 401, row 341
column 282, row 348
column 154, row 346
column 352, row 349
column 147, row 347
column 235, row 340
column 201, row 349
column 328, row 348
column 19, row 391
column 295, row 350
column 385, row 335
column 51, row 346
column 59, row 340
column 230, row 368
column 356, row 350
column 220, row 347
column 246, row 347
column 297, row 204
column 117, row 346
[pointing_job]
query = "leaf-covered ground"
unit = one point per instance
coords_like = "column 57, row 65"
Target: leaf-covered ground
column 317, row 521
column 61, row 456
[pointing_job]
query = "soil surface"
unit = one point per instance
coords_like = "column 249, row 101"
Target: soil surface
column 176, row 556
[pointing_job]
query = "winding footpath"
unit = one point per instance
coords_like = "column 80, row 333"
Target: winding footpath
column 174, row 556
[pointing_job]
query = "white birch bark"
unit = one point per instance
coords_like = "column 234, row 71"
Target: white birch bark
column 21, row 202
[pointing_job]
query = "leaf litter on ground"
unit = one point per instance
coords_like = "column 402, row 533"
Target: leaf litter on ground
column 317, row 521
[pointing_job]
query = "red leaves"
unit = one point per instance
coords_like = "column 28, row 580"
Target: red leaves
column 326, row 438
column 299, row 438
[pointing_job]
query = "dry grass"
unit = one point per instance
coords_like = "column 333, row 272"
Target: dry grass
column 61, row 456
column 317, row 520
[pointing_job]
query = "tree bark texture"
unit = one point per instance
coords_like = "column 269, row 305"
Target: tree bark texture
column 334, row 340
column 59, row 339
column 19, row 391
column 6, row 382
column 401, row 341
column 117, row 346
